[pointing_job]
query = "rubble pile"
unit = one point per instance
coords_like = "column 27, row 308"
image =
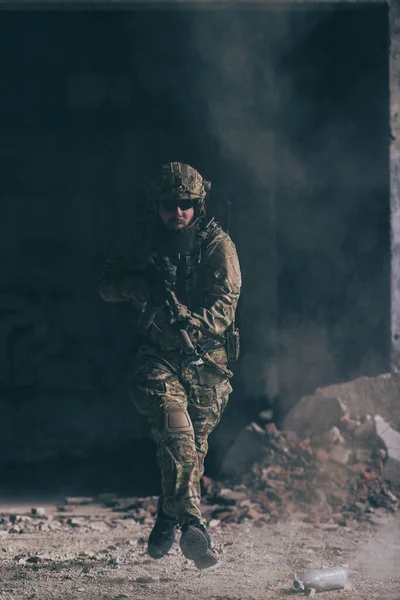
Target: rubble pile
column 327, row 478
column 333, row 461
column 82, row 515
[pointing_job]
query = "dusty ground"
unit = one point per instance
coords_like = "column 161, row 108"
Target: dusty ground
column 63, row 559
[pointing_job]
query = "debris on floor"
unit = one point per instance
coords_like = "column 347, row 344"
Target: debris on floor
column 332, row 463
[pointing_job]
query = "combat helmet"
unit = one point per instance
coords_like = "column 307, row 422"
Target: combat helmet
column 176, row 180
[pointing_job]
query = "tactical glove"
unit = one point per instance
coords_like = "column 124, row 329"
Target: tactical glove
column 160, row 275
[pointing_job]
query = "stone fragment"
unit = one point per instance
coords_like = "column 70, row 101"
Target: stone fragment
column 214, row 523
column 382, row 453
column 391, row 496
column 368, row 396
column 245, row 450
column 362, row 455
column 266, row 415
column 221, row 515
column 232, row 495
column 108, row 499
column 145, row 580
column 366, row 430
column 206, row 482
column 38, row 511
column 24, row 519
column 33, row 559
column 15, row 529
column 391, row 439
column 77, row 501
column 322, row 455
column 340, row 454
column 271, row 430
column 326, row 439
column 74, row 523
column 254, row 514
column 87, row 568
column 314, row 414
column 100, row 526
column 246, row 502
column 350, row 425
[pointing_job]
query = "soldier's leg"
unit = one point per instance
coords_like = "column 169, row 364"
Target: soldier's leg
column 209, row 390
column 206, row 406
column 159, row 395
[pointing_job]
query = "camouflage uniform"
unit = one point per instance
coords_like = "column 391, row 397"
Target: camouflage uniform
column 182, row 401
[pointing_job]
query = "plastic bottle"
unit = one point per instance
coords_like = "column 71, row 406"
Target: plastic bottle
column 322, row 580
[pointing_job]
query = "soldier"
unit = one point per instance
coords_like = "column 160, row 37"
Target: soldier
column 182, row 274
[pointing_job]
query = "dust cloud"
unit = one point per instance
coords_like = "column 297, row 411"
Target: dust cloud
column 310, row 199
column 381, row 554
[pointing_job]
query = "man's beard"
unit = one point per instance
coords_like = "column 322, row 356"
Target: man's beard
column 174, row 242
column 176, row 225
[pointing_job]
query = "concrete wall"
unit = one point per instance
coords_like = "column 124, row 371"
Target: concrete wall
column 395, row 179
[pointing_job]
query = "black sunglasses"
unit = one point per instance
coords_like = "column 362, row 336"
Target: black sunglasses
column 173, row 204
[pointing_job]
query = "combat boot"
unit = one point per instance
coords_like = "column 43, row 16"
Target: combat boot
column 162, row 536
column 196, row 545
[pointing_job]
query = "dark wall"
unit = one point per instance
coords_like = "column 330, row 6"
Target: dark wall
column 285, row 111
column 333, row 284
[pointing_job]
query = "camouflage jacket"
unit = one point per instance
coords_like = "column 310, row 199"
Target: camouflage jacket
column 213, row 285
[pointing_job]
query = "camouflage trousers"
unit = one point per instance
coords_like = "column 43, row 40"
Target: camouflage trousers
column 183, row 404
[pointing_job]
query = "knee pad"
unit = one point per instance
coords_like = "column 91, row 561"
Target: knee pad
column 176, row 419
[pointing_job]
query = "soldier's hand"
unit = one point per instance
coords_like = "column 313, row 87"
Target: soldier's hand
column 183, row 313
column 160, row 274
column 168, row 270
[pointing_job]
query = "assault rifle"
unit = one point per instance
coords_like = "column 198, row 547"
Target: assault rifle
column 177, row 313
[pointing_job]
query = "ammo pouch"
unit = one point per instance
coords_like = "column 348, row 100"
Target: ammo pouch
column 232, row 342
